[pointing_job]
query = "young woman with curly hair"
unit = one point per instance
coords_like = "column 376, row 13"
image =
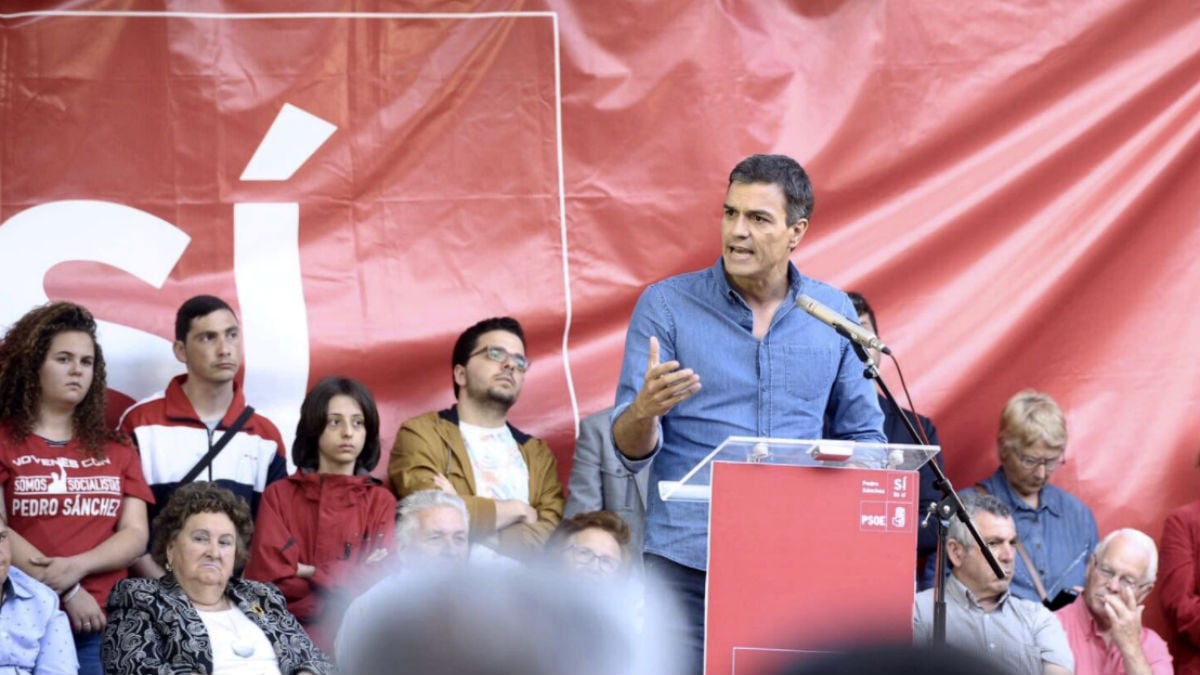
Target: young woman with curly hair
column 71, row 488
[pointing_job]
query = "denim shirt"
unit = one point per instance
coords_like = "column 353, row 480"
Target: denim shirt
column 1058, row 535
column 785, row 385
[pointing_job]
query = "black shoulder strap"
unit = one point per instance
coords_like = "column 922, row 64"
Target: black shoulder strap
column 207, row 459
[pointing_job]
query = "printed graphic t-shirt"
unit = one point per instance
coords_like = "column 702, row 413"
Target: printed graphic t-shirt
column 500, row 470
column 65, row 501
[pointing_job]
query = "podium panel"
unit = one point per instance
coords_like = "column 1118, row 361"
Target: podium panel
column 804, row 560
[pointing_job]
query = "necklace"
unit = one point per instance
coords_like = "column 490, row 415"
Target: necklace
column 242, row 646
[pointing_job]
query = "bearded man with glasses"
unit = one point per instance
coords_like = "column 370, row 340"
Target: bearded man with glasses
column 1105, row 630
column 508, row 479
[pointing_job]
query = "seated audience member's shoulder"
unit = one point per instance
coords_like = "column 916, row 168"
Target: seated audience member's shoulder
column 1066, row 499
column 134, row 590
column 41, row 593
column 250, row 589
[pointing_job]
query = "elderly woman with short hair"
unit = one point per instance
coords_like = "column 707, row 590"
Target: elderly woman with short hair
column 592, row 544
column 198, row 618
column 1055, row 530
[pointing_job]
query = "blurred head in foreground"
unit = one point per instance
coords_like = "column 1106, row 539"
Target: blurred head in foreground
column 502, row 621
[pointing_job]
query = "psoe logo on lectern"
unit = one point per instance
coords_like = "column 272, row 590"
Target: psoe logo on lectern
column 872, row 516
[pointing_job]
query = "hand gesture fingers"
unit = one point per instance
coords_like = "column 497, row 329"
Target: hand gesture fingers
column 665, row 384
column 1124, row 615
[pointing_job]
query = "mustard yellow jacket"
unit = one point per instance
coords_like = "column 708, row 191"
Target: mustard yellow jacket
column 430, row 444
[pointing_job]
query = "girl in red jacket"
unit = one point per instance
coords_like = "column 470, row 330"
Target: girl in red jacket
column 320, row 530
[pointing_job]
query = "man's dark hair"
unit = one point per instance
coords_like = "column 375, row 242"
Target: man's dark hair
column 195, row 308
column 783, row 171
column 314, row 417
column 469, row 340
column 861, row 306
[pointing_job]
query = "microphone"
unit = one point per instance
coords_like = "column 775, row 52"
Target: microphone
column 841, row 324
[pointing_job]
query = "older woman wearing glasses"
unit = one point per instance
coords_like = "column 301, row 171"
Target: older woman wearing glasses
column 592, row 544
column 1055, row 529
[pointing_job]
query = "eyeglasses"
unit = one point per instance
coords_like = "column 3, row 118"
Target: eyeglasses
column 584, row 556
column 1126, row 582
column 1032, row 463
column 500, row 355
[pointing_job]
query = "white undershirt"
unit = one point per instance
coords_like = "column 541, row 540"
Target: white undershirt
column 500, row 470
column 500, row 473
column 229, row 630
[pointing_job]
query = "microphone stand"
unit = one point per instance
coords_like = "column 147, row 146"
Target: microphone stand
column 950, row 505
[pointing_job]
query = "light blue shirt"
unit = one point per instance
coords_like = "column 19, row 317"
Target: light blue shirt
column 802, row 380
column 34, row 633
column 1020, row 635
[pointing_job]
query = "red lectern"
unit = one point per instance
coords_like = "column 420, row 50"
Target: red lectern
column 812, row 546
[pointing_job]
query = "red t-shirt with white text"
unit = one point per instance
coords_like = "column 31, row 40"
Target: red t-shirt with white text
column 65, row 501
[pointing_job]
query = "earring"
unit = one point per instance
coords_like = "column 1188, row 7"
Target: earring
column 169, row 566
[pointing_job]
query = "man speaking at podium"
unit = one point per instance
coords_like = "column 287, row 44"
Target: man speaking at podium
column 768, row 368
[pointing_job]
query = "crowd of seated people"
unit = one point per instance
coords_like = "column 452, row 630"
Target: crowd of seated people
column 190, row 550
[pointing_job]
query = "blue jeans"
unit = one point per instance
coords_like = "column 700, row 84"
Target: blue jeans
column 687, row 585
column 87, row 648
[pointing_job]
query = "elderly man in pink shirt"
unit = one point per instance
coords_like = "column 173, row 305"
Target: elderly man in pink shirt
column 1104, row 628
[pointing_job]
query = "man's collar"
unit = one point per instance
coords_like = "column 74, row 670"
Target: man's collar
column 795, row 280
column 451, row 415
column 955, row 588
column 1093, row 626
column 179, row 406
column 13, row 589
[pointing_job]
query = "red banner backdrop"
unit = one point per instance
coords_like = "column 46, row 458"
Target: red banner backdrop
column 1014, row 186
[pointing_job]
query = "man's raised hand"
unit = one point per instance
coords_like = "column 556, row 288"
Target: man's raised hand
column 665, row 385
